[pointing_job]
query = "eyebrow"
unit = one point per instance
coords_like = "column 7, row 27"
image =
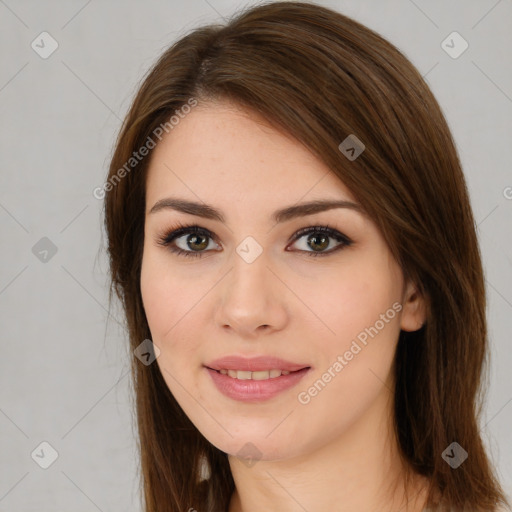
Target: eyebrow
column 290, row 212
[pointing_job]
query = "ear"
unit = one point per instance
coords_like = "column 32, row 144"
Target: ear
column 414, row 309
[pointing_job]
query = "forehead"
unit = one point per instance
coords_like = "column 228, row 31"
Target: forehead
column 225, row 155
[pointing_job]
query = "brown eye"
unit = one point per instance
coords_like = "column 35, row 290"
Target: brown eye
column 194, row 243
column 194, row 240
column 318, row 240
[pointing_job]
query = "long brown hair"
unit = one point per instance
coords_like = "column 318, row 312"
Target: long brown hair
column 321, row 76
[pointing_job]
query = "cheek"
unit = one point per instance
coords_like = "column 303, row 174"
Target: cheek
column 164, row 307
column 167, row 296
column 175, row 307
column 359, row 309
column 346, row 300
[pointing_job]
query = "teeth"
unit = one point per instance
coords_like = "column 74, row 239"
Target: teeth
column 262, row 375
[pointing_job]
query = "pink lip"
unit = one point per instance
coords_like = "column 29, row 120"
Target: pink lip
column 254, row 364
column 254, row 390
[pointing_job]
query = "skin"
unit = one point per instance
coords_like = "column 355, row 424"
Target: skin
column 336, row 452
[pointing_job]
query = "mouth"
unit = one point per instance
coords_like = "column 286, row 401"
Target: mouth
column 257, row 386
column 256, row 375
column 255, row 364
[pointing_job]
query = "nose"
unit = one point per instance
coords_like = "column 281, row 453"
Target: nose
column 251, row 299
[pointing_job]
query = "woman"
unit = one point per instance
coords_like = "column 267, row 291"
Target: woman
column 290, row 234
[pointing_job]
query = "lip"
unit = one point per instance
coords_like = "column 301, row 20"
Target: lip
column 255, row 390
column 254, row 364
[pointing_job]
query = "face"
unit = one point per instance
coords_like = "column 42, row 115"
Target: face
column 332, row 299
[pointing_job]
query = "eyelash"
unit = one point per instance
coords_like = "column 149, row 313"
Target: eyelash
column 179, row 230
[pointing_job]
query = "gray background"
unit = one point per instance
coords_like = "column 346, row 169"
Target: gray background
column 64, row 359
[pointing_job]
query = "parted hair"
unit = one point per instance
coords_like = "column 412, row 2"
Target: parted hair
column 320, row 76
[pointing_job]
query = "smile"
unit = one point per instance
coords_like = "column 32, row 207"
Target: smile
column 261, row 375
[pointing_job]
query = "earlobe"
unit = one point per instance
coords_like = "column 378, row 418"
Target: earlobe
column 414, row 311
